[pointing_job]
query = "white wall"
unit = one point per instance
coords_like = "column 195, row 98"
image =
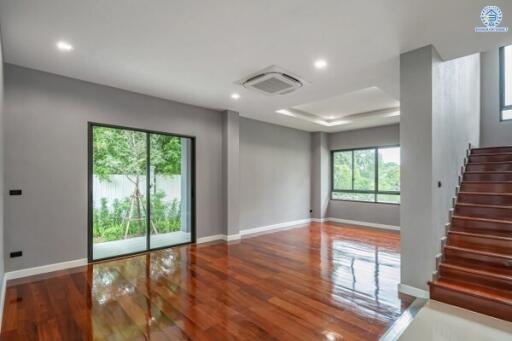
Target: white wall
column 493, row 132
column 378, row 213
column 440, row 114
column 275, row 174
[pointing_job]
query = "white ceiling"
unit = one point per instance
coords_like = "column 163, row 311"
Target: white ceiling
column 194, row 51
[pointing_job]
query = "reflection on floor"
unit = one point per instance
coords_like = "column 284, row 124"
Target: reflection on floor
column 317, row 282
column 439, row 321
column 131, row 245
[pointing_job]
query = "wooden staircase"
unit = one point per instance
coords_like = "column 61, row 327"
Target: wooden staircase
column 475, row 271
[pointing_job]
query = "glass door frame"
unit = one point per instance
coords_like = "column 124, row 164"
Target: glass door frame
column 90, row 243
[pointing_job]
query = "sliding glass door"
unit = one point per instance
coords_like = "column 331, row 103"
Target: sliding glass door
column 140, row 191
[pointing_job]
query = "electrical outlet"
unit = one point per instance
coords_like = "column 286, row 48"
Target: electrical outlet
column 16, row 254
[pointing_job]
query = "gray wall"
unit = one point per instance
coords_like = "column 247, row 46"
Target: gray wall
column 275, row 174
column 455, row 124
column 493, row 132
column 320, row 171
column 387, row 214
column 439, row 117
column 46, row 125
column 2, row 146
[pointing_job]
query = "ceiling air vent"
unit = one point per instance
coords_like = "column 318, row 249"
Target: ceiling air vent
column 272, row 81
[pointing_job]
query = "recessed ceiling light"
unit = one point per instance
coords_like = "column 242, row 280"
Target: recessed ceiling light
column 320, row 64
column 64, row 46
column 235, row 96
column 285, row 112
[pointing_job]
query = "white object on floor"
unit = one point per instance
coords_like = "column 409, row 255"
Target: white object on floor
column 439, row 321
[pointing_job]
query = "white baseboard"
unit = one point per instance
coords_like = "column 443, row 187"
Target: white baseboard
column 231, row 237
column 280, row 226
column 364, row 223
column 409, row 290
column 44, row 269
column 319, row 220
column 210, row 238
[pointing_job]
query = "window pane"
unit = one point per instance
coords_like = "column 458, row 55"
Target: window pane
column 342, row 170
column 508, row 75
column 364, row 169
column 389, row 169
column 354, row 196
column 506, row 115
column 389, row 198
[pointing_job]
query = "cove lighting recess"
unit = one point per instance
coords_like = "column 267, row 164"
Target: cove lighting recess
column 285, row 112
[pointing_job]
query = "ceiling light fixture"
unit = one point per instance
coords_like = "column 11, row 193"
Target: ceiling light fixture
column 320, row 64
column 285, row 112
column 235, row 96
column 64, row 46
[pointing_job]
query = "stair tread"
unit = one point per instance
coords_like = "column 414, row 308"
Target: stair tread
column 465, row 268
column 487, row 220
column 486, row 193
column 470, row 204
column 488, row 172
column 492, row 154
column 486, row 182
column 479, row 252
column 489, row 162
column 499, row 295
column 481, row 235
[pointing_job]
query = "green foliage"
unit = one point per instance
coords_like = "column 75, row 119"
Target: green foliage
column 121, row 151
column 364, row 169
column 363, row 164
column 124, row 152
column 110, row 223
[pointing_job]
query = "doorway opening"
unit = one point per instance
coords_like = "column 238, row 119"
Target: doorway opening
column 141, row 191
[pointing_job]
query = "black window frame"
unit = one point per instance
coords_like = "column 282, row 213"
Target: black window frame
column 503, row 105
column 375, row 192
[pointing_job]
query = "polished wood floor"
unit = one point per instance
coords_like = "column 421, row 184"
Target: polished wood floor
column 319, row 282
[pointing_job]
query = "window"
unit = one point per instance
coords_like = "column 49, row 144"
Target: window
column 506, row 82
column 367, row 174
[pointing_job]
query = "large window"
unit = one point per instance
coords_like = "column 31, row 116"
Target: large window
column 367, row 174
column 506, row 82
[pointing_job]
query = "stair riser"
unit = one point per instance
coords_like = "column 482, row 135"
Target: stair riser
column 499, row 167
column 484, row 212
column 486, row 187
column 491, row 150
column 474, row 278
column 482, row 244
column 490, row 158
column 480, row 261
column 482, row 305
column 480, row 226
column 505, row 200
column 488, row 177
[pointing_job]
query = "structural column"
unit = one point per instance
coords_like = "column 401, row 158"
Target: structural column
column 320, row 179
column 230, row 173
